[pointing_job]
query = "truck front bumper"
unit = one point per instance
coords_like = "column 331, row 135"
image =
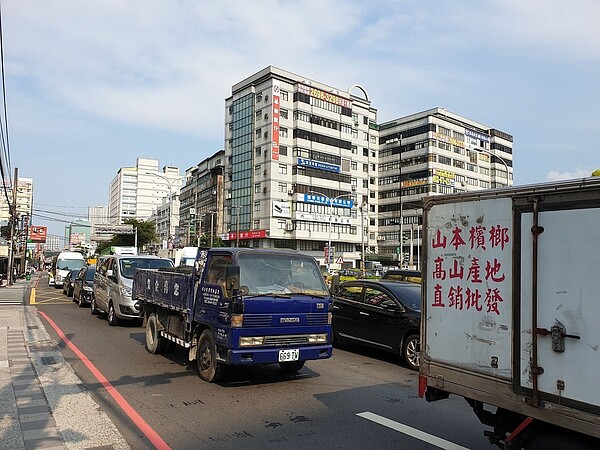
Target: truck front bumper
column 271, row 355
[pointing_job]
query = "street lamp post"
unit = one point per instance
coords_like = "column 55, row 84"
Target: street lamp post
column 237, row 224
column 170, row 184
column 483, row 150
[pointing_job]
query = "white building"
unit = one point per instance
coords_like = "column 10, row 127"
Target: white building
column 428, row 153
column 300, row 161
column 137, row 191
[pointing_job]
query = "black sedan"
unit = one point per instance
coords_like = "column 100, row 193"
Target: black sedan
column 68, row 282
column 381, row 314
column 83, row 286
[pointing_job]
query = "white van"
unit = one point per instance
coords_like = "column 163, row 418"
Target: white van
column 66, row 261
column 112, row 285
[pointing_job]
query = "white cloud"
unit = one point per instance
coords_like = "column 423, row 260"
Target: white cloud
column 580, row 172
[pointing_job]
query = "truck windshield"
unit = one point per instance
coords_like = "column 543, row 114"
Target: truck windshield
column 280, row 274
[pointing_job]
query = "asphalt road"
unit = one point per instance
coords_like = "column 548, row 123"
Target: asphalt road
column 357, row 399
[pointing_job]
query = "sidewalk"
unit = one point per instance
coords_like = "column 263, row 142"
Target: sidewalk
column 43, row 404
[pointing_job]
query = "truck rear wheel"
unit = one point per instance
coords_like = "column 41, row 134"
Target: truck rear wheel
column 206, row 358
column 155, row 343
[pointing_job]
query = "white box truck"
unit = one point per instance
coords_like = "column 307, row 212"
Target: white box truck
column 511, row 310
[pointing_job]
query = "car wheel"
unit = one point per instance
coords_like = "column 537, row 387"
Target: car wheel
column 93, row 309
column 411, row 351
column 112, row 317
column 206, row 358
column 291, row 366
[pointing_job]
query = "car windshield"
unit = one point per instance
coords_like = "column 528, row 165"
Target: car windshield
column 280, row 274
column 408, row 294
column 68, row 264
column 129, row 265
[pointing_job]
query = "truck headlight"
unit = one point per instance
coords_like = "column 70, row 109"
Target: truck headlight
column 87, row 289
column 251, row 341
column 125, row 291
column 317, row 338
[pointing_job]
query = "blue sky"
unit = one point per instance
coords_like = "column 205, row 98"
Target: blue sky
column 91, row 86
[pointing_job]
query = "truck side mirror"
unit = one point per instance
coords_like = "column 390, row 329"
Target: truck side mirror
column 232, row 277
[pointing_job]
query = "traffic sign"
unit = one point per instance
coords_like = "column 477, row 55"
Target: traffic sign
column 340, row 260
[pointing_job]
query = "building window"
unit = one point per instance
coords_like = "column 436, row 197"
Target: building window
column 258, row 151
column 257, row 206
column 365, row 152
column 444, row 160
column 282, row 187
column 365, row 167
column 282, row 169
column 257, row 188
column 283, row 113
column 257, row 169
column 283, row 132
column 258, row 114
column 283, row 95
column 354, row 150
column 283, row 150
column 258, row 132
column 257, row 224
column 354, row 165
column 365, row 136
column 281, row 224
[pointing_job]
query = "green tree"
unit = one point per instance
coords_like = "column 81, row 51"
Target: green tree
column 596, row 173
column 146, row 233
column 205, row 241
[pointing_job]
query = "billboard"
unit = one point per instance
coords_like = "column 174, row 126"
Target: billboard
column 38, row 234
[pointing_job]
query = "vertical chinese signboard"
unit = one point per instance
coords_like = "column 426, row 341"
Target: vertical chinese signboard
column 469, row 282
column 275, row 95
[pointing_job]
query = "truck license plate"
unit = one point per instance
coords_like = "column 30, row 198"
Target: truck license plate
column 289, row 355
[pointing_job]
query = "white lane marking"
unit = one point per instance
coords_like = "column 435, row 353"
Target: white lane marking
column 413, row 432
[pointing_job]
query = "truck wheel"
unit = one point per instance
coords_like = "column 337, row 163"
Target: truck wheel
column 112, row 317
column 411, row 352
column 291, row 366
column 155, row 343
column 93, row 309
column 206, row 358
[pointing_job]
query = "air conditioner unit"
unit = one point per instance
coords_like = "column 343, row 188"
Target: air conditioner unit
column 291, row 192
column 264, row 190
column 229, row 195
column 355, row 124
column 265, row 172
column 289, row 226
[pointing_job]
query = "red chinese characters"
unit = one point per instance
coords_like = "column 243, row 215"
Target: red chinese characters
column 470, row 274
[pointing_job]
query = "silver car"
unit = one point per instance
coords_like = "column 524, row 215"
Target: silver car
column 112, row 285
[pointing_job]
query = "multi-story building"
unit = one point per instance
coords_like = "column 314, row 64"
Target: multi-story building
column 78, row 235
column 201, row 209
column 136, row 192
column 301, row 166
column 428, row 153
column 23, row 210
column 307, row 165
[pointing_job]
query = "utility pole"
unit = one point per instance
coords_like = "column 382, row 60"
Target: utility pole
column 13, row 224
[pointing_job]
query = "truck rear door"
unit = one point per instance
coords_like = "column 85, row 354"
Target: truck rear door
column 568, row 299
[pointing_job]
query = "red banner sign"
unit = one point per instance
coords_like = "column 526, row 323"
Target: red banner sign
column 252, row 234
column 38, row 234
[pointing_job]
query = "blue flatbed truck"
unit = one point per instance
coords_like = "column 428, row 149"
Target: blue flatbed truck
column 238, row 306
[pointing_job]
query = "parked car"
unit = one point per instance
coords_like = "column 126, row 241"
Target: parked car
column 68, row 282
column 112, row 285
column 414, row 276
column 381, row 314
column 83, row 285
